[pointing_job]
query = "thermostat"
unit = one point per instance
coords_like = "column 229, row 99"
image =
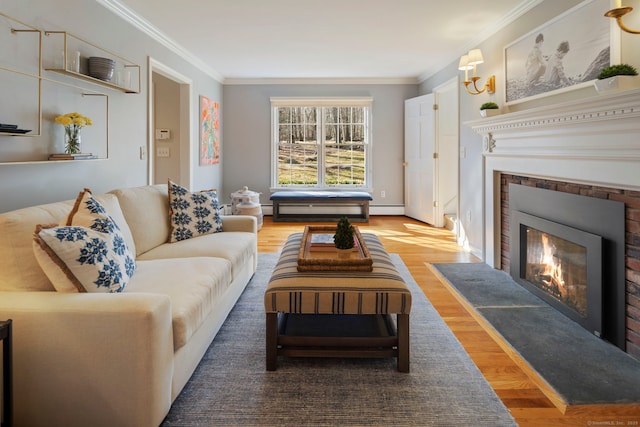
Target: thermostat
column 163, row 134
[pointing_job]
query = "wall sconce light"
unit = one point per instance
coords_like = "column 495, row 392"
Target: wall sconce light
column 618, row 13
column 469, row 62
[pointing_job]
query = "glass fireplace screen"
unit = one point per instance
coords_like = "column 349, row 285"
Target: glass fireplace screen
column 558, row 267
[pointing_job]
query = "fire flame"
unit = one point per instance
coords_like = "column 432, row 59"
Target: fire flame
column 553, row 267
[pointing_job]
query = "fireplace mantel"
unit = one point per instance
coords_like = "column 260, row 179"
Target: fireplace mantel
column 593, row 141
column 603, row 127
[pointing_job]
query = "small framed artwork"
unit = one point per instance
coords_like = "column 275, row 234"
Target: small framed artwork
column 209, row 131
column 564, row 54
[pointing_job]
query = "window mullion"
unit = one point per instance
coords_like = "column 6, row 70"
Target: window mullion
column 321, row 147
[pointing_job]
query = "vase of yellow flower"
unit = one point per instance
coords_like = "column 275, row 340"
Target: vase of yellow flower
column 72, row 123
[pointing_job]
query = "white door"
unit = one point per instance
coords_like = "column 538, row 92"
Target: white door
column 419, row 162
column 431, row 155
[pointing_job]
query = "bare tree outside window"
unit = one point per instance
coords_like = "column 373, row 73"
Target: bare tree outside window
column 322, row 146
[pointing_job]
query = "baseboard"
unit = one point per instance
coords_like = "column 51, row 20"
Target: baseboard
column 373, row 210
column 386, row 210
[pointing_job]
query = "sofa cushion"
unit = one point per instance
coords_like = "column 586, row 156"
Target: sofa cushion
column 88, row 251
column 194, row 285
column 90, row 260
column 82, row 214
column 18, row 264
column 146, row 210
column 192, row 214
column 235, row 246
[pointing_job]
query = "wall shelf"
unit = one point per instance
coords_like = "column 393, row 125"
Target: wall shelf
column 25, row 67
column 67, row 98
column 39, row 162
column 71, row 49
column 27, row 87
column 91, row 79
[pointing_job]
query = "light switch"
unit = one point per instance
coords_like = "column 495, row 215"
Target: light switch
column 163, row 134
column 163, row 152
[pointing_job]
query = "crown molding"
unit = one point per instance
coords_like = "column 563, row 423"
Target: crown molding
column 146, row 27
column 149, row 29
column 507, row 19
column 321, row 81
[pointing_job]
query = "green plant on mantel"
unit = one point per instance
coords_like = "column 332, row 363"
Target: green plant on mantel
column 489, row 106
column 343, row 239
column 617, row 70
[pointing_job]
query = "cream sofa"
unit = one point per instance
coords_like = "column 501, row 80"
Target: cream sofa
column 118, row 359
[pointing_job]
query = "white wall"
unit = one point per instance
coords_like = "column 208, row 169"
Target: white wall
column 247, row 135
column 471, row 168
column 26, row 185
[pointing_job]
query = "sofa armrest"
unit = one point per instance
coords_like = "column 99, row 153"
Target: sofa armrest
column 90, row 359
column 240, row 223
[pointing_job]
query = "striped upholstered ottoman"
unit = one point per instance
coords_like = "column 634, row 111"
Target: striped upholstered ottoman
column 337, row 313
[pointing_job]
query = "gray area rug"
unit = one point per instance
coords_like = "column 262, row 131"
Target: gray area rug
column 230, row 387
column 581, row 368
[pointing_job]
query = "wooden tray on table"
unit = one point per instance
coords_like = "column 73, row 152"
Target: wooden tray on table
column 318, row 253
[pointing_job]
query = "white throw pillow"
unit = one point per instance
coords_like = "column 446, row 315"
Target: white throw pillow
column 87, row 253
column 192, row 214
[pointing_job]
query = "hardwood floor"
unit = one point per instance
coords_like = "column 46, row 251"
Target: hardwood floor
column 419, row 244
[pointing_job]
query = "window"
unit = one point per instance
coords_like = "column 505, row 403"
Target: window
column 321, row 143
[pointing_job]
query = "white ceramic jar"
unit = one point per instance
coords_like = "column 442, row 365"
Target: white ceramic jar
column 247, row 202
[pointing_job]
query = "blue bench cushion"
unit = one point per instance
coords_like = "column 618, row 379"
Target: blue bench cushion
column 289, row 195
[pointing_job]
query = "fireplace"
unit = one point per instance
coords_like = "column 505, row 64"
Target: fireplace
column 589, row 145
column 569, row 250
column 560, row 264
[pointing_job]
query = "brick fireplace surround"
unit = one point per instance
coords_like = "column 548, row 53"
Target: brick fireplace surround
column 631, row 199
column 589, row 147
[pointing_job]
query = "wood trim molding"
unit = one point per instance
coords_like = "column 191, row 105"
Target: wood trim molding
column 605, row 127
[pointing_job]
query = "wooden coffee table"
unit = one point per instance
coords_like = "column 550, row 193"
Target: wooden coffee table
column 337, row 313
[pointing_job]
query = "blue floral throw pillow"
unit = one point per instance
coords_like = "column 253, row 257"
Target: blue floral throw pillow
column 192, row 214
column 88, row 250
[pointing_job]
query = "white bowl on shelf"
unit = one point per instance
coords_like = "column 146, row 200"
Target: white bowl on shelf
column 617, row 83
column 490, row 112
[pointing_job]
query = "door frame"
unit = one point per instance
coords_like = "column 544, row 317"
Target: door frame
column 186, row 121
column 454, row 83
